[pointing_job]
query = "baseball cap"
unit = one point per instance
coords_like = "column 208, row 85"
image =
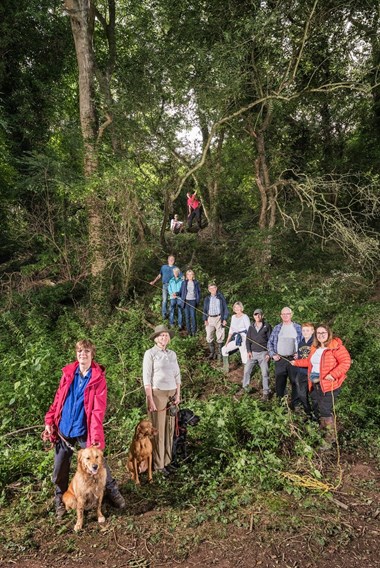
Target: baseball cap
column 258, row 311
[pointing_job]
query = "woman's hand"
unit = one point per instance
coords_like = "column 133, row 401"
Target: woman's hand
column 151, row 406
column 292, row 363
column 329, row 377
column 49, row 429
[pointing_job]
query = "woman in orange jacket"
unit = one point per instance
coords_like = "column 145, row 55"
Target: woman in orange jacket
column 327, row 364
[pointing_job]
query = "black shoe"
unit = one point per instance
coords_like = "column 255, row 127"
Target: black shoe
column 60, row 509
column 164, row 471
column 116, row 499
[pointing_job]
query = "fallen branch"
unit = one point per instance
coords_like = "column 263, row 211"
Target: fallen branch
column 24, row 430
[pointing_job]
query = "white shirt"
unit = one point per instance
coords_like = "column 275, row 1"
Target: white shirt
column 239, row 324
column 316, row 360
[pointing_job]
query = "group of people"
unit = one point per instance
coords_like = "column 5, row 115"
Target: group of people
column 193, row 212
column 315, row 362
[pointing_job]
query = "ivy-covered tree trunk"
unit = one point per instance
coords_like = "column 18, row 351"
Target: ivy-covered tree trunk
column 82, row 18
column 267, row 216
column 213, row 166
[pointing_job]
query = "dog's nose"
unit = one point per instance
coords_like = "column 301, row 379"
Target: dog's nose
column 95, row 467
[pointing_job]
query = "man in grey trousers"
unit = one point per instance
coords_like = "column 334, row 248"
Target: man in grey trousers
column 257, row 338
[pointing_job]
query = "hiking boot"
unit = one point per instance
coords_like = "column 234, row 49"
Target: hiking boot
column 164, row 472
column 116, row 499
column 212, row 354
column 265, row 397
column 327, row 427
column 241, row 392
column 219, row 356
column 60, row 509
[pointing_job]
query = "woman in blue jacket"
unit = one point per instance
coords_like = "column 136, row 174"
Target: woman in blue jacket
column 190, row 295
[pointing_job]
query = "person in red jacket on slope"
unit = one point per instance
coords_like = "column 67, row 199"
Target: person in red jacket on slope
column 328, row 364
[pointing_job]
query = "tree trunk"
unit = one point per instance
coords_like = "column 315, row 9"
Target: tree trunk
column 82, row 16
column 213, row 167
column 268, row 194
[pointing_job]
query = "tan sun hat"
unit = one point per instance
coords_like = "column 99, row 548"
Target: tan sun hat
column 161, row 329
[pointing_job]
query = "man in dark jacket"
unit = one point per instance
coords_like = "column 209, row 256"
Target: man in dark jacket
column 215, row 314
column 257, row 338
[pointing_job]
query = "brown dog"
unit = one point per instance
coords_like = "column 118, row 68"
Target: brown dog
column 87, row 487
column 140, row 451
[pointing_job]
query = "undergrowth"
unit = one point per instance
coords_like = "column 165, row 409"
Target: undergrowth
column 241, row 448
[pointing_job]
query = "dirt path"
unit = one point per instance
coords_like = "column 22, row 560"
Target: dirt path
column 311, row 532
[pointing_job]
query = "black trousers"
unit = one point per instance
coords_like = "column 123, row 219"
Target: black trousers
column 323, row 401
column 197, row 214
column 282, row 371
column 300, row 390
column 62, row 460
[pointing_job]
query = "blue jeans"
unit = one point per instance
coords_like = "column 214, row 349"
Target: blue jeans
column 190, row 315
column 173, row 303
column 164, row 299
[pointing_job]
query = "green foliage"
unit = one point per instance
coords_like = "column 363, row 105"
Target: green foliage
column 175, row 70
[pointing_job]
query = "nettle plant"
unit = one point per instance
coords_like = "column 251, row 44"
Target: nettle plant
column 242, row 447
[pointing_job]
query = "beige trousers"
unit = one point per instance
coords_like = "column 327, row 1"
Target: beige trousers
column 214, row 327
column 163, row 442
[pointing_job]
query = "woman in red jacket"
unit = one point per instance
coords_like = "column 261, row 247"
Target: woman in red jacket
column 76, row 418
column 328, row 363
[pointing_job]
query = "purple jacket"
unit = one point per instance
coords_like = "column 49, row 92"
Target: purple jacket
column 95, row 402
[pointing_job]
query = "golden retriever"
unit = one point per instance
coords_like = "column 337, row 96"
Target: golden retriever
column 87, row 487
column 140, row 451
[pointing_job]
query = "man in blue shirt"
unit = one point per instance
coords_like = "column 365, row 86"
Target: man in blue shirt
column 166, row 273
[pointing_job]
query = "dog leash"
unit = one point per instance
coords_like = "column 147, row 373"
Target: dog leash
column 66, row 442
column 51, row 439
column 47, row 439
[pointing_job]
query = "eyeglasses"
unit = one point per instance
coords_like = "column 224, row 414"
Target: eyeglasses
column 322, row 333
column 286, row 314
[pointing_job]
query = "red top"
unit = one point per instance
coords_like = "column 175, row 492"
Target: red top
column 193, row 202
column 95, row 402
column 335, row 361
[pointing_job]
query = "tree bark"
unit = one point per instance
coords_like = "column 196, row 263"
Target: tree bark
column 267, row 218
column 213, row 167
column 82, row 16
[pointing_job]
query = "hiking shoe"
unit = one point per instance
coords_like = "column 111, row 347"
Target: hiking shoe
column 164, row 471
column 60, row 510
column 116, row 499
column 265, row 397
